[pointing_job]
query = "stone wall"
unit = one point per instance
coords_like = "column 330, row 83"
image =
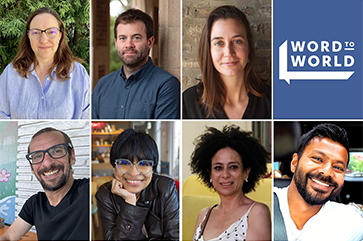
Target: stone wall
column 169, row 36
column 194, row 15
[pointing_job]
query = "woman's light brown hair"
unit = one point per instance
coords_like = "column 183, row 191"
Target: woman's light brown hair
column 63, row 57
column 212, row 87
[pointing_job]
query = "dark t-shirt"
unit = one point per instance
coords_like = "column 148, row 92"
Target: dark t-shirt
column 69, row 220
column 257, row 108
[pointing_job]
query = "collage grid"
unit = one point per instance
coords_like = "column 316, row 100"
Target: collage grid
column 142, row 188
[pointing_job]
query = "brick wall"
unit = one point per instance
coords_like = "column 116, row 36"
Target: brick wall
column 195, row 13
column 78, row 131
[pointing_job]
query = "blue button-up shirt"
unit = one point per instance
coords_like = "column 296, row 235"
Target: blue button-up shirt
column 26, row 98
column 150, row 93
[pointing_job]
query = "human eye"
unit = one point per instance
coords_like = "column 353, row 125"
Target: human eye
column 217, row 168
column 124, row 162
column 137, row 38
column 57, row 151
column 218, row 43
column 233, row 167
column 122, row 38
column 237, row 41
column 145, row 163
column 317, row 158
column 37, row 156
column 339, row 168
column 52, row 31
column 34, row 32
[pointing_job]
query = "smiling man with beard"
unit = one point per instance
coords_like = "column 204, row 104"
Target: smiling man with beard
column 139, row 90
column 307, row 206
column 61, row 212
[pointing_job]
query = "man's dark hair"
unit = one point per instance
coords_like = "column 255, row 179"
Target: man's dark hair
column 133, row 15
column 131, row 144
column 253, row 155
column 320, row 131
column 49, row 129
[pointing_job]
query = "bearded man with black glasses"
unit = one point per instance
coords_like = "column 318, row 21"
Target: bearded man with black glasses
column 61, row 212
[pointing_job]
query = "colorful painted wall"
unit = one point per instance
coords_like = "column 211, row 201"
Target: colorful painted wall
column 8, row 158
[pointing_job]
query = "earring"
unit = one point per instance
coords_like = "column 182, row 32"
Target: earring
column 246, row 180
column 248, row 61
column 210, row 180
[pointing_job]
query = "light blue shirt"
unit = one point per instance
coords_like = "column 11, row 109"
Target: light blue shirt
column 26, row 98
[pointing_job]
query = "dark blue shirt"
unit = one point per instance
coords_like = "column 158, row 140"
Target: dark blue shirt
column 150, row 93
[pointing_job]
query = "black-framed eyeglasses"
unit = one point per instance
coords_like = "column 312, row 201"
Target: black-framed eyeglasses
column 55, row 152
column 50, row 32
column 125, row 166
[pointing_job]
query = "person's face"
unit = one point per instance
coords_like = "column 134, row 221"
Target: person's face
column 229, row 47
column 319, row 174
column 52, row 174
column 227, row 172
column 133, row 181
column 132, row 45
column 44, row 48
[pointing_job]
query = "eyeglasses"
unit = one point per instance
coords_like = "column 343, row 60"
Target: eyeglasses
column 125, row 166
column 55, row 152
column 50, row 32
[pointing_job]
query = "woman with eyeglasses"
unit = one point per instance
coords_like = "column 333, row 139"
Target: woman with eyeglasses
column 137, row 204
column 44, row 80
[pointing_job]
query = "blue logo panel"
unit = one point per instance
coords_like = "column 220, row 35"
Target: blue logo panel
column 317, row 59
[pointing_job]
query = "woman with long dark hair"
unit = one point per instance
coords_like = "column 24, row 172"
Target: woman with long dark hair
column 230, row 87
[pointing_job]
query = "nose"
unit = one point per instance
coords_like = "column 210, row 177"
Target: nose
column 134, row 171
column 43, row 37
column 225, row 173
column 47, row 159
column 228, row 50
column 327, row 169
column 129, row 43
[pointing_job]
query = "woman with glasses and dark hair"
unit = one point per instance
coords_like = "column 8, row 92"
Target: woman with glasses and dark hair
column 44, row 80
column 231, row 162
column 137, row 204
column 230, row 87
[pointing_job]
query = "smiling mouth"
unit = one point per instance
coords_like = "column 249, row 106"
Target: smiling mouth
column 226, row 183
column 50, row 173
column 321, row 183
column 134, row 182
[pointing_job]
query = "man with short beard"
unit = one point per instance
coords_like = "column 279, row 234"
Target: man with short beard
column 61, row 212
column 306, row 209
column 139, row 90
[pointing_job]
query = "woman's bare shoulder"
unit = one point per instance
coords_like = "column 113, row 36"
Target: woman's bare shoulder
column 203, row 212
column 260, row 208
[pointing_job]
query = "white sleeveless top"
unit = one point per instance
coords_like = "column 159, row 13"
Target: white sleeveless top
column 237, row 231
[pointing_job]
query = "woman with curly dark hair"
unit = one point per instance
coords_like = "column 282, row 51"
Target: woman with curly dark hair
column 230, row 87
column 231, row 162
